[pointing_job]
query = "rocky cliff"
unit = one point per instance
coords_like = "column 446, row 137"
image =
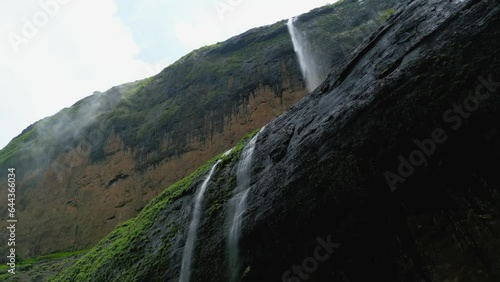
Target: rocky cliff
column 386, row 172
column 96, row 164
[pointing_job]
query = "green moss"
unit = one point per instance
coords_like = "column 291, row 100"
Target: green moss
column 385, row 15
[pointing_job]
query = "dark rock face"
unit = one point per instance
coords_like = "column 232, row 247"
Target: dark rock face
column 387, row 172
column 431, row 73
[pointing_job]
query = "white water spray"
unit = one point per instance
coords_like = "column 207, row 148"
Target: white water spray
column 308, row 64
column 237, row 207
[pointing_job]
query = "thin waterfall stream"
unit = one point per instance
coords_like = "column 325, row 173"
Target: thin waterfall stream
column 308, row 64
column 193, row 225
column 237, row 207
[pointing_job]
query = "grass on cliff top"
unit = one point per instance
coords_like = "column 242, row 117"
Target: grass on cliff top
column 119, row 248
column 17, row 143
column 139, row 85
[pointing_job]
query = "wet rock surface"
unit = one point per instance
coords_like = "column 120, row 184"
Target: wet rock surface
column 415, row 82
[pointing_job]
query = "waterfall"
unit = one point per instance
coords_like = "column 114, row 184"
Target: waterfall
column 237, row 207
column 193, row 227
column 308, row 64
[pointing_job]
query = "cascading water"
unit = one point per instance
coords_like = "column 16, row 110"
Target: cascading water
column 193, row 226
column 308, row 64
column 237, row 207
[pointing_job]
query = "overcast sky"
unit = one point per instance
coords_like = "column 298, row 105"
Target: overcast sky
column 55, row 52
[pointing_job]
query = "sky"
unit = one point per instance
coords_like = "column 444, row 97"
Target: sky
column 56, row 52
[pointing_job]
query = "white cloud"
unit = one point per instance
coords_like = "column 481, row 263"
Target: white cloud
column 84, row 48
